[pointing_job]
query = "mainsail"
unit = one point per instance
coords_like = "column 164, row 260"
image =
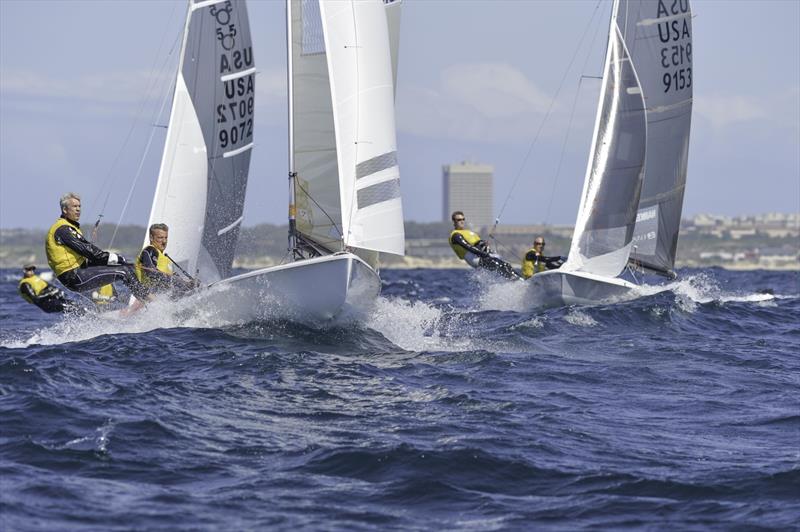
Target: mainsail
column 603, row 233
column 347, row 185
column 203, row 176
column 660, row 45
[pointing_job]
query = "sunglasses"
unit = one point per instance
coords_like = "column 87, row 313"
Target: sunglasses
column 459, row 219
column 538, row 243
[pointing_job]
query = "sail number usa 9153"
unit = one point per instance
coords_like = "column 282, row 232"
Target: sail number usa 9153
column 674, row 32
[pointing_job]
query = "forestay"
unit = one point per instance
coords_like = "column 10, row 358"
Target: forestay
column 660, row 45
column 203, row 176
column 604, row 228
column 345, row 155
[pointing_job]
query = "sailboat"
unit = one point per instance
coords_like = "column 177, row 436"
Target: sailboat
column 344, row 198
column 632, row 197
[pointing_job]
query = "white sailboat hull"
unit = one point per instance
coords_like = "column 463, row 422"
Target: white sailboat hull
column 554, row 288
column 310, row 290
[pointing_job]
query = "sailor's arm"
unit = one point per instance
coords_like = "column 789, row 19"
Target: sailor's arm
column 70, row 237
column 459, row 240
column 532, row 256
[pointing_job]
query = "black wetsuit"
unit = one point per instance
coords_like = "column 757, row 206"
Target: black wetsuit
column 51, row 299
column 487, row 261
column 94, row 272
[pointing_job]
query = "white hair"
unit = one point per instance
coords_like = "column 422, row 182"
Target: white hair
column 66, row 197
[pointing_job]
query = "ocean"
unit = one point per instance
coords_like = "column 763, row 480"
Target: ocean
column 451, row 406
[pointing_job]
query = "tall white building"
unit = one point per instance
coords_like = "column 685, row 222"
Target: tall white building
column 468, row 187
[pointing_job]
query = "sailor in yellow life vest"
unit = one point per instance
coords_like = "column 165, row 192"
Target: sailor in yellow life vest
column 535, row 261
column 80, row 265
column 36, row 290
column 154, row 268
column 470, row 248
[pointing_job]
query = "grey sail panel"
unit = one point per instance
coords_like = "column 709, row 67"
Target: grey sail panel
column 317, row 196
column 219, row 72
column 659, row 38
column 606, row 218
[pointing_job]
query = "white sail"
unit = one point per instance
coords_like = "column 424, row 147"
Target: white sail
column 660, row 45
column 362, row 92
column 203, row 175
column 603, row 233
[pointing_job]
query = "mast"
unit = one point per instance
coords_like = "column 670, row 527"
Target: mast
column 290, row 112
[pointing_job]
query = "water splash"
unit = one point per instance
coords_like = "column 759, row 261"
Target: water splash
column 416, row 326
column 580, row 318
column 703, row 288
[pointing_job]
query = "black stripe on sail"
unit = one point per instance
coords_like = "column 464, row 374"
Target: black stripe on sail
column 378, row 193
column 376, row 164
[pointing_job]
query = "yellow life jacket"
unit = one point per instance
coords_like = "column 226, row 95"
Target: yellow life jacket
column 61, row 258
column 37, row 284
column 104, row 295
column 471, row 237
column 529, row 267
column 163, row 264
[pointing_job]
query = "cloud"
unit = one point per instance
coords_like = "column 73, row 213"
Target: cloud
column 493, row 90
column 723, row 111
column 476, row 102
column 113, row 87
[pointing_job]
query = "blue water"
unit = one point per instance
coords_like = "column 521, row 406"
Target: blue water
column 450, row 407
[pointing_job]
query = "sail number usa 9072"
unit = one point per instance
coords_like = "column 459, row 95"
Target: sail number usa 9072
column 234, row 115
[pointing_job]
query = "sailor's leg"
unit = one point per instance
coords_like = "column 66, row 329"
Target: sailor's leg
column 52, row 304
column 86, row 279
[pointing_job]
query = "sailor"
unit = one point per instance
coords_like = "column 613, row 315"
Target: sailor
column 535, row 261
column 470, row 248
column 80, row 265
column 154, row 267
column 39, row 292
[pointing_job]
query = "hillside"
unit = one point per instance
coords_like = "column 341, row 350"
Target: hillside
column 731, row 244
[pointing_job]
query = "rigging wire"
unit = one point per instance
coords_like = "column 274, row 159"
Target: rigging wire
column 569, row 125
column 108, row 181
column 544, row 120
column 328, row 216
column 138, row 171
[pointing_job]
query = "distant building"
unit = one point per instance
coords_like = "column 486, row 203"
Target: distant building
column 468, row 187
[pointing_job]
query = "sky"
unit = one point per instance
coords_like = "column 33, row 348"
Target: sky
column 81, row 84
